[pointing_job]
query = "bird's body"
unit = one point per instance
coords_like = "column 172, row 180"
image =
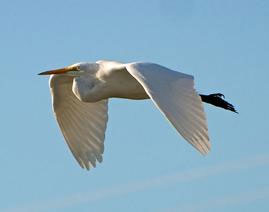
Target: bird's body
column 80, row 94
column 113, row 80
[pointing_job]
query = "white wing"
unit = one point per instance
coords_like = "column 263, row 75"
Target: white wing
column 83, row 124
column 174, row 94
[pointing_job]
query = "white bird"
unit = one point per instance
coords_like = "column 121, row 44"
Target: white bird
column 80, row 94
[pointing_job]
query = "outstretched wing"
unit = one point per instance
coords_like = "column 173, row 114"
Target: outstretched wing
column 174, row 94
column 82, row 124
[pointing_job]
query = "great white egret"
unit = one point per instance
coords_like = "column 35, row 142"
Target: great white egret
column 80, row 94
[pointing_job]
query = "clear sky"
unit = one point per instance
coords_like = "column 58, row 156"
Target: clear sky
column 147, row 166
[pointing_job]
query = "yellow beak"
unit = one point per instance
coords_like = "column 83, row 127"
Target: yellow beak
column 58, row 71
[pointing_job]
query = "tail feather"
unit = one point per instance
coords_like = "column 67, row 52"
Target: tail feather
column 217, row 100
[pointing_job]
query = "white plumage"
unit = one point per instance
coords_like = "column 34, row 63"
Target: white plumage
column 80, row 95
column 83, row 124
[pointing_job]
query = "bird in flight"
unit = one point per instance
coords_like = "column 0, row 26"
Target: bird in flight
column 80, row 94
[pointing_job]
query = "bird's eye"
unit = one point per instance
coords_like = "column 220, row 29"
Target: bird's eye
column 78, row 68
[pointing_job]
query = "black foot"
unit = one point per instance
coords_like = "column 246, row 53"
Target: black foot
column 217, row 99
column 220, row 95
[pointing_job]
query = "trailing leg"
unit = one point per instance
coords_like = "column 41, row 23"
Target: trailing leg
column 217, row 99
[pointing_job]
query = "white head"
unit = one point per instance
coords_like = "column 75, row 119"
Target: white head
column 74, row 70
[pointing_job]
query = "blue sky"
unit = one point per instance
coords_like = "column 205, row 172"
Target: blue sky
column 147, row 166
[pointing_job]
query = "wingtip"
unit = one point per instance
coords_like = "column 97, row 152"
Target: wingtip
column 205, row 153
column 204, row 147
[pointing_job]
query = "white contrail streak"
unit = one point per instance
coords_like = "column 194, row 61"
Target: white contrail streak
column 123, row 189
column 222, row 202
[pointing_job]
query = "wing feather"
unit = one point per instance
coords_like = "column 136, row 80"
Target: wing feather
column 174, row 94
column 83, row 124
